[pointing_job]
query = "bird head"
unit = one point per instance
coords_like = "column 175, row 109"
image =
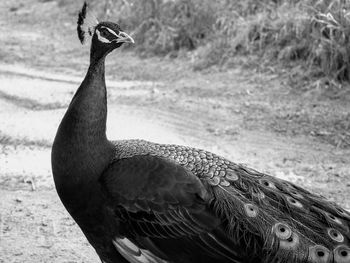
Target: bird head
column 106, row 36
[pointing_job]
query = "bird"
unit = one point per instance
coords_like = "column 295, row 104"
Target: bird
column 139, row 201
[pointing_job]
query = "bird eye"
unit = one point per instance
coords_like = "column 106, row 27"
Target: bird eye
column 104, row 32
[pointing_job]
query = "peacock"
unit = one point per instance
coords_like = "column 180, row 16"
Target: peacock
column 138, row 201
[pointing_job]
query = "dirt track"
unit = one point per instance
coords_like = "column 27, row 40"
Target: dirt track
column 34, row 226
column 244, row 115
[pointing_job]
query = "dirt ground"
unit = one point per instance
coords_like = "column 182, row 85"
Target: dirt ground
column 246, row 115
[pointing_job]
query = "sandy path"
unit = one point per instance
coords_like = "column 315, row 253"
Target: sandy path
column 34, row 226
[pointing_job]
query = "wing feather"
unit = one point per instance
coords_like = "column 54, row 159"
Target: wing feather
column 160, row 199
column 200, row 201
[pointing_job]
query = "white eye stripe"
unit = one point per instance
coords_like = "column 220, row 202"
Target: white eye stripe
column 101, row 38
column 110, row 31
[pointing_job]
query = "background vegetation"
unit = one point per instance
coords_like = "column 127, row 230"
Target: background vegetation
column 260, row 82
column 311, row 36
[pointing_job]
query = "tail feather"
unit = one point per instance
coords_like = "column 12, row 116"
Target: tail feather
column 281, row 221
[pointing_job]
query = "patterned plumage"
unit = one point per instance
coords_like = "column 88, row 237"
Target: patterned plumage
column 266, row 219
column 138, row 201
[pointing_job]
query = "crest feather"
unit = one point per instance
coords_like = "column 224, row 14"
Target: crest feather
column 86, row 24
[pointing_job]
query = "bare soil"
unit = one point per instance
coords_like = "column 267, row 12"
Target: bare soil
column 244, row 114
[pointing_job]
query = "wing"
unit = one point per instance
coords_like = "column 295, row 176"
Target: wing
column 164, row 209
column 262, row 218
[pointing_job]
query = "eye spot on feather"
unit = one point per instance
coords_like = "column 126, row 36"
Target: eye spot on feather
column 251, row 210
column 267, row 183
column 282, row 231
column 342, row 213
column 333, row 218
column 319, row 254
column 214, row 181
column 294, row 202
column 335, row 235
column 290, row 243
column 231, row 175
column 342, row 254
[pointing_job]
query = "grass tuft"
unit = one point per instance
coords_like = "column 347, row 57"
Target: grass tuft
column 313, row 33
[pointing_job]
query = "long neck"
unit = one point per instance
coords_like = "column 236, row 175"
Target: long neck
column 89, row 105
column 81, row 150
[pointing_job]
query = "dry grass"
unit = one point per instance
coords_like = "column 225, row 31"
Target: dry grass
column 315, row 34
column 165, row 27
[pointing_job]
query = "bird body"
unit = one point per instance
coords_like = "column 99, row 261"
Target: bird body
column 138, row 201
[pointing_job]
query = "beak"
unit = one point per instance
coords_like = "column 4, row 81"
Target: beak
column 124, row 38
